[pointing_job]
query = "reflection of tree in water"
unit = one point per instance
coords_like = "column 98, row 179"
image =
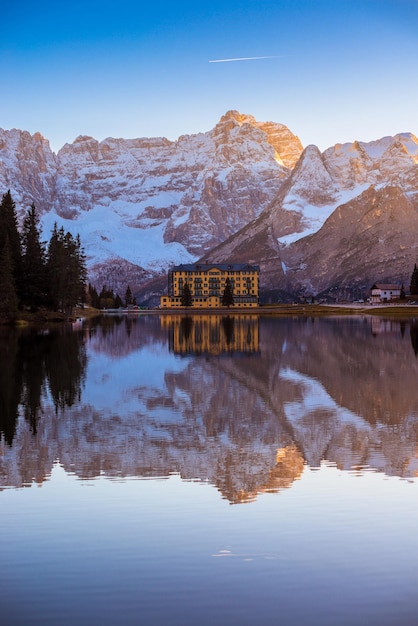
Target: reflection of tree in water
column 10, row 384
column 228, row 326
column 186, row 326
column 414, row 337
column 65, row 365
column 31, row 364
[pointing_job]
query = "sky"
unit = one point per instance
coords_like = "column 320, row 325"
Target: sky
column 332, row 71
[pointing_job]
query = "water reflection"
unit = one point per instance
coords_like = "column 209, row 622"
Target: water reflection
column 134, row 397
column 212, row 334
column 33, row 364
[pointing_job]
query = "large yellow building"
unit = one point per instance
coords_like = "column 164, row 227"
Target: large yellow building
column 206, row 284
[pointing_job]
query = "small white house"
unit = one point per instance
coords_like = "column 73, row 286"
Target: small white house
column 384, row 293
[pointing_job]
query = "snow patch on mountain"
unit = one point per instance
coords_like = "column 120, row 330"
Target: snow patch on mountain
column 314, row 217
column 109, row 236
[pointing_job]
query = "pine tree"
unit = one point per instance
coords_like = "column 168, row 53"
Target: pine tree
column 56, row 268
column 67, row 272
column 93, row 297
column 9, row 231
column 186, row 296
column 128, row 296
column 33, row 262
column 227, row 296
column 8, row 295
column 106, row 298
column 413, row 288
column 118, row 302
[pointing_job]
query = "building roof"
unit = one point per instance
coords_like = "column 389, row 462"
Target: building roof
column 386, row 286
column 224, row 267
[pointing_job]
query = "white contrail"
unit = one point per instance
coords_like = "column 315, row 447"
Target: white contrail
column 241, row 59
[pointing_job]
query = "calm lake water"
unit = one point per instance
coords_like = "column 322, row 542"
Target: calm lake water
column 207, row 470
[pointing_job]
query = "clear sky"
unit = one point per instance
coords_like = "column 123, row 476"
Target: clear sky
column 338, row 70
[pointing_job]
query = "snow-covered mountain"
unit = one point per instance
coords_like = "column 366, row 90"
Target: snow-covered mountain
column 143, row 204
column 243, row 191
column 343, row 218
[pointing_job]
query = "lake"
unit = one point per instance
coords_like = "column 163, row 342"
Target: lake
column 200, row 470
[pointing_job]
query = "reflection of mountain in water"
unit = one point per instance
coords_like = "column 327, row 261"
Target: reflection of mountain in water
column 317, row 389
column 212, row 334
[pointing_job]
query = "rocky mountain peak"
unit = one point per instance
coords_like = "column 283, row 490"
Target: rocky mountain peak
column 287, row 146
column 240, row 118
column 245, row 188
column 311, row 180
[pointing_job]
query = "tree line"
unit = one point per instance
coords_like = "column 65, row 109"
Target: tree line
column 36, row 274
column 108, row 299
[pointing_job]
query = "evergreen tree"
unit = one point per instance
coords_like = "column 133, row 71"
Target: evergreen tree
column 106, row 298
column 56, row 268
column 66, row 270
column 186, row 296
column 402, row 293
column 8, row 295
column 9, row 231
column 118, row 302
column 413, row 288
column 76, row 272
column 33, row 262
column 227, row 296
column 93, row 297
column 128, row 296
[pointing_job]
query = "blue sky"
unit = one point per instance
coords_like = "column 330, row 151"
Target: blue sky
column 339, row 70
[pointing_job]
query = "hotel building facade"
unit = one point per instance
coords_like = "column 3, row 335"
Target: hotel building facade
column 207, row 283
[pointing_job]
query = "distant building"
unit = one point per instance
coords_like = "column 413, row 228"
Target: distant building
column 384, row 293
column 207, row 282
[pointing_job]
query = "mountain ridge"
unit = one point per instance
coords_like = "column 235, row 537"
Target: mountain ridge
column 243, row 191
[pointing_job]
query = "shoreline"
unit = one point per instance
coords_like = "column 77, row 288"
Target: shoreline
column 399, row 311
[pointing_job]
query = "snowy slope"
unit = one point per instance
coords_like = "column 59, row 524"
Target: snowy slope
column 141, row 205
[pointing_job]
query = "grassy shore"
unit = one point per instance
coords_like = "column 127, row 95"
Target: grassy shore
column 393, row 311
column 389, row 310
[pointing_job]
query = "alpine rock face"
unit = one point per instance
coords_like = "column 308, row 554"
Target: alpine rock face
column 245, row 191
column 140, row 205
column 345, row 218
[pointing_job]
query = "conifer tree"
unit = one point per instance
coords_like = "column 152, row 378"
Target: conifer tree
column 93, row 297
column 128, row 296
column 66, row 270
column 8, row 295
column 9, row 231
column 106, row 298
column 186, row 296
column 33, row 262
column 56, row 268
column 413, row 288
column 227, row 296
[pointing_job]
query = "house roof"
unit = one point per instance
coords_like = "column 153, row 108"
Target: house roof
column 204, row 267
column 386, row 286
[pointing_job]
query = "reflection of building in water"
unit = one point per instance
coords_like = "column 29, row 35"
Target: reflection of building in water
column 212, row 334
column 380, row 326
column 206, row 284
